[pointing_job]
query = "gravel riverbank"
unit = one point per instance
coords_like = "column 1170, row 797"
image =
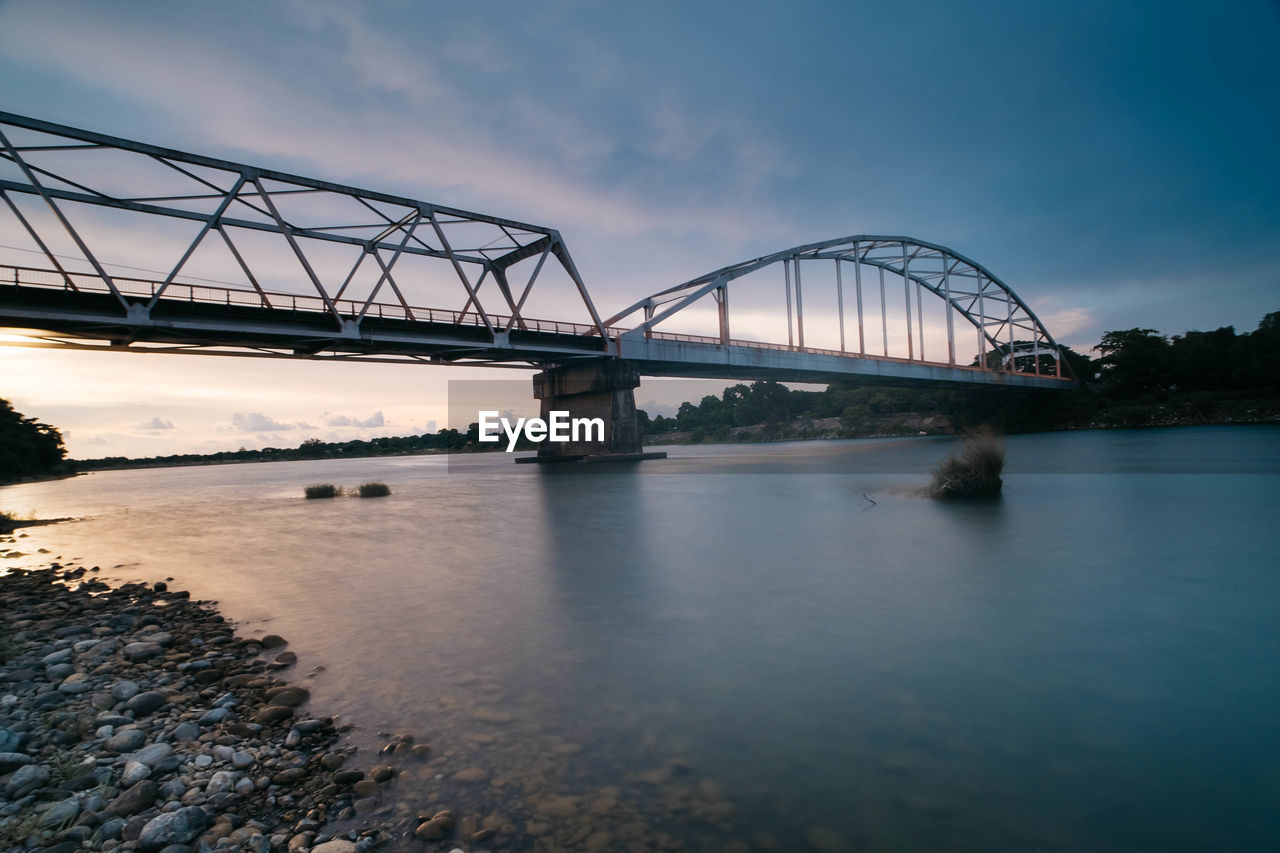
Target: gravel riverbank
column 133, row 718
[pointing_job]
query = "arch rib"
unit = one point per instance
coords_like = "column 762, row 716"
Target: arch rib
column 899, row 255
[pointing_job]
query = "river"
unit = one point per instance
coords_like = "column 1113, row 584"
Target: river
column 764, row 646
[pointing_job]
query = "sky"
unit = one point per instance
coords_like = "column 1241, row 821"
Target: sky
column 1114, row 163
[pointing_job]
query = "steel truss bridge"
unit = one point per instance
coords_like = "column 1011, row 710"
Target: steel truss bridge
column 327, row 271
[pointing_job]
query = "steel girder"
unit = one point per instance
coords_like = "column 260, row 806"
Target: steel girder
column 234, row 199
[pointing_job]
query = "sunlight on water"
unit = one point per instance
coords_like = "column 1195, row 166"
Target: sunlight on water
column 773, row 644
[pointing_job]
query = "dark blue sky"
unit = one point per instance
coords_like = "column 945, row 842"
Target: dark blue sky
column 1115, row 163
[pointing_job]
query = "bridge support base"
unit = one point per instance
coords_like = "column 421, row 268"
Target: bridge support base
column 602, row 388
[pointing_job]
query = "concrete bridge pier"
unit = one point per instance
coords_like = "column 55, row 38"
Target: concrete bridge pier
column 598, row 388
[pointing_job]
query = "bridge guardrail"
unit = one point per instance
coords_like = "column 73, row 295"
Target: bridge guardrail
column 47, row 279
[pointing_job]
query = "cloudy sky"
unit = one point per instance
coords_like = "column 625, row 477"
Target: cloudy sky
column 1114, row 163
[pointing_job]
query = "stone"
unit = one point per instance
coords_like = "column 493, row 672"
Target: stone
column 160, row 638
column 337, row 845
column 134, row 772
column 10, row 761
column 185, row 732
column 241, row 760
column 60, row 656
column 123, row 691
column 220, row 782
column 244, row 786
column 286, row 659
column 139, row 652
column 138, row 797
column 333, row 760
column 153, row 754
column 176, row 827
column 365, row 806
column 61, row 812
column 75, row 684
column 557, row 807
column 203, row 760
column 348, row 777
column 8, row 740
column 145, row 703
column 24, row 779
column 471, row 775
column 214, row 716
column 272, row 714
column 59, row 671
column 109, row 830
column 382, row 773
column 433, row 830
column 365, row 788
column 290, row 697
column 273, row 641
column 126, row 740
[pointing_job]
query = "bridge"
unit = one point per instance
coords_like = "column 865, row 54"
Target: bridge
column 111, row 244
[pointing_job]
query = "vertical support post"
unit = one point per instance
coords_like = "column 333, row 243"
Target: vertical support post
column 920, row 318
column 840, row 302
column 799, row 307
column 884, row 315
column 906, row 292
column 982, row 325
column 722, row 297
column 951, row 332
column 857, row 277
column 1013, row 365
column 1035, row 349
column 786, row 271
column 648, row 315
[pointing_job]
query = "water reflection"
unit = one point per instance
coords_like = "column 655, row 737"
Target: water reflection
column 727, row 647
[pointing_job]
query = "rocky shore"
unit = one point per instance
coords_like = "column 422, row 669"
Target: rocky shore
column 133, row 718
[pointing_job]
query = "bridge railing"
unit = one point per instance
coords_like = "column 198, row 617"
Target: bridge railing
column 208, row 294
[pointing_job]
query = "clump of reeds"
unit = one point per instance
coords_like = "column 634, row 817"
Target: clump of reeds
column 374, row 490
column 322, row 490
column 972, row 471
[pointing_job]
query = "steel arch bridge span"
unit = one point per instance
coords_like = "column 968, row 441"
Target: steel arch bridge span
column 998, row 318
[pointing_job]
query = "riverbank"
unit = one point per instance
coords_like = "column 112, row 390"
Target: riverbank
column 134, row 718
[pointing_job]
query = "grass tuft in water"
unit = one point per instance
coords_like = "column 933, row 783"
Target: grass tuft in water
column 322, row 490
column 972, row 471
column 374, row 490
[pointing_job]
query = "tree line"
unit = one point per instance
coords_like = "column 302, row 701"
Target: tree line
column 1140, row 377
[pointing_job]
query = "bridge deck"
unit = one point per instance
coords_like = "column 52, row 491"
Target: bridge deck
column 202, row 317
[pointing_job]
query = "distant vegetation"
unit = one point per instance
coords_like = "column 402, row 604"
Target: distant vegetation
column 29, row 449
column 1141, row 378
column 322, row 490
column 972, row 471
column 374, row 490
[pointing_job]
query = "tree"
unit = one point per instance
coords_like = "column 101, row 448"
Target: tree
column 1135, row 360
column 28, row 448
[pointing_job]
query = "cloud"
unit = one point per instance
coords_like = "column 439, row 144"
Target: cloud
column 374, row 420
column 156, row 423
column 257, row 422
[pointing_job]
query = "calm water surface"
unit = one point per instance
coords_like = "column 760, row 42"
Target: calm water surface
column 768, row 644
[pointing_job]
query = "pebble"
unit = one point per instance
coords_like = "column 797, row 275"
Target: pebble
column 134, row 772
column 126, row 740
column 123, row 691
column 153, row 754
column 176, row 827
column 144, row 704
